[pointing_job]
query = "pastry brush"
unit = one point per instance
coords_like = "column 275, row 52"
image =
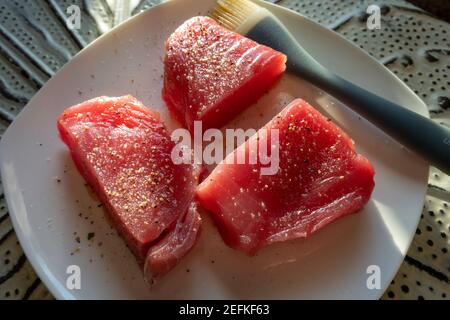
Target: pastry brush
column 421, row 135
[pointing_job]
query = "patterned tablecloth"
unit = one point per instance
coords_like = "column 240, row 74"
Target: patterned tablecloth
column 35, row 43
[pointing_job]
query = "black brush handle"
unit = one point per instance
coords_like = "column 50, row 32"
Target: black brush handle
column 426, row 138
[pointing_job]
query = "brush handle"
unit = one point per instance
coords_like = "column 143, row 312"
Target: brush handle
column 426, row 138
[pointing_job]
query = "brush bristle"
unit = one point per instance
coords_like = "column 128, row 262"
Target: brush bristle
column 233, row 13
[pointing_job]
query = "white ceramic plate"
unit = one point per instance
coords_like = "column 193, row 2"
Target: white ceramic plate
column 46, row 195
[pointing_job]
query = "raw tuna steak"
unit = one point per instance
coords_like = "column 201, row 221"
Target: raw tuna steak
column 212, row 74
column 320, row 178
column 123, row 151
